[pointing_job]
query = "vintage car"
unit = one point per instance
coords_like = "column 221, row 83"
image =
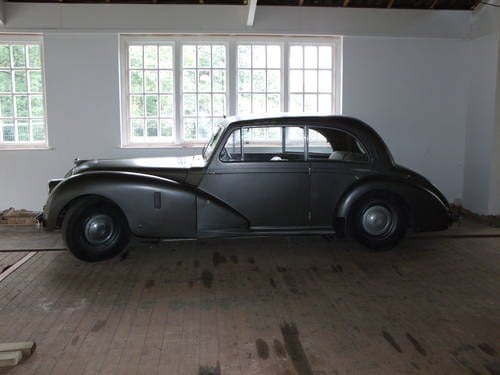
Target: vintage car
column 256, row 176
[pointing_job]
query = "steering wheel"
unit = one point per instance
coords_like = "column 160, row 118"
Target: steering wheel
column 225, row 155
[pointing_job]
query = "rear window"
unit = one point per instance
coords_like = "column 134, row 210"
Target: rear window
column 335, row 145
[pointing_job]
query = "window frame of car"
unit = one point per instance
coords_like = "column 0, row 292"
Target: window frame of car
column 230, row 130
column 338, row 129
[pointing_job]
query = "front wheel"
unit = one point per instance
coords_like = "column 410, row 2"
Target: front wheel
column 378, row 221
column 95, row 230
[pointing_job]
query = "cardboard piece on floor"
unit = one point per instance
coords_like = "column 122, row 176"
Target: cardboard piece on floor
column 26, row 347
column 8, row 359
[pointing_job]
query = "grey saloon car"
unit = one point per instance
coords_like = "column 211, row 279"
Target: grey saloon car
column 256, row 176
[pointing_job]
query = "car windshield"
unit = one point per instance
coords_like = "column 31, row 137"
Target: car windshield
column 212, row 143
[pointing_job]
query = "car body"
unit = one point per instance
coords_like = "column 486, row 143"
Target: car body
column 256, row 176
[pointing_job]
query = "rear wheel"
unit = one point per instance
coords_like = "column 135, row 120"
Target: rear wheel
column 378, row 220
column 95, row 230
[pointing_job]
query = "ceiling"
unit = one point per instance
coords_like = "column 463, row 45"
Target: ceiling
column 396, row 4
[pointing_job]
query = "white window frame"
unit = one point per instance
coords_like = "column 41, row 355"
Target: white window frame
column 231, row 43
column 28, row 39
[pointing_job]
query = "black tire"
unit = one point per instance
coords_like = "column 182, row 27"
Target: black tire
column 378, row 220
column 95, row 230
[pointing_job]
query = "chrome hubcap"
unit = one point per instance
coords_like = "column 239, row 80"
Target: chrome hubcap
column 376, row 220
column 99, row 229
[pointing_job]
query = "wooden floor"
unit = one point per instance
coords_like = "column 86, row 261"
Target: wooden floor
column 297, row 305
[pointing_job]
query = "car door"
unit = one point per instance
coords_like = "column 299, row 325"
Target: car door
column 261, row 172
column 336, row 159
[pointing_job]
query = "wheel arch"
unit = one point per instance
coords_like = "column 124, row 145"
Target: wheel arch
column 364, row 188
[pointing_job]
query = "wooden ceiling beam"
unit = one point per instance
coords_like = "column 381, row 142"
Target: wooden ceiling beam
column 252, row 6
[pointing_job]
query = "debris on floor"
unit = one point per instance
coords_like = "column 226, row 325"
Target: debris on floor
column 11, row 353
column 11, row 216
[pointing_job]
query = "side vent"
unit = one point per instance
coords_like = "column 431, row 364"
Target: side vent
column 157, row 199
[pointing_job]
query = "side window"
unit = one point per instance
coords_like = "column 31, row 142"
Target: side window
column 333, row 144
column 265, row 144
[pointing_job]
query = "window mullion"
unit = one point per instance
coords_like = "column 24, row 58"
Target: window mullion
column 285, row 76
column 232, row 77
column 178, row 98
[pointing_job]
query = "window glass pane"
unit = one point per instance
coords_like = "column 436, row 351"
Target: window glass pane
column 296, row 57
column 258, row 56
column 325, row 57
column 310, row 57
column 219, row 80
column 6, row 108
column 204, row 105
column 135, row 57
column 325, row 81
column 166, row 81
column 273, row 81
column 219, row 56
column 151, row 81
column 20, row 82
column 189, row 128
column 21, row 92
column 189, row 80
column 136, row 81
column 232, row 148
column 151, row 105
column 150, row 57
column 189, row 56
column 167, row 128
column 204, row 81
column 136, row 105
column 166, row 106
column 273, row 103
column 166, row 57
column 244, row 103
column 257, row 78
column 5, row 81
column 189, row 104
column 294, row 142
column 314, row 82
column 4, row 56
column 244, row 80
column 36, row 102
column 18, row 56
column 38, row 130
column 335, row 145
column 137, row 127
column 21, row 105
column 204, row 77
column 274, row 57
column 204, row 57
column 311, row 81
column 152, row 128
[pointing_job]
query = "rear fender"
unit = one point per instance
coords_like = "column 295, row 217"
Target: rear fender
column 424, row 208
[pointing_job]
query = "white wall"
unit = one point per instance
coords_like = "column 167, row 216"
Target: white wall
column 408, row 81
column 412, row 92
column 482, row 148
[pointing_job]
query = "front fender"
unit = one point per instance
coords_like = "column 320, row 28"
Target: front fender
column 153, row 206
column 427, row 209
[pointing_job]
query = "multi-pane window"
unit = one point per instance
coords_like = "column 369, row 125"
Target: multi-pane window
column 311, row 78
column 176, row 89
column 203, row 89
column 151, row 93
column 22, row 108
column 259, row 78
